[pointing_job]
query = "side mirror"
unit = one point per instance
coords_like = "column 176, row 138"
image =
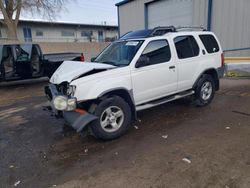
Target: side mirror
column 93, row 59
column 142, row 61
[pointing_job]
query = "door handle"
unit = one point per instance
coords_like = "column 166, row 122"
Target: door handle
column 172, row 67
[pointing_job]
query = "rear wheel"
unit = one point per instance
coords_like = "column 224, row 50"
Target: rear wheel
column 114, row 118
column 205, row 90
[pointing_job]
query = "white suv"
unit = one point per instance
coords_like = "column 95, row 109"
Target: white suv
column 141, row 70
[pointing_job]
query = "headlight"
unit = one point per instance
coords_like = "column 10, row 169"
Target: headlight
column 60, row 103
column 63, row 103
column 71, row 104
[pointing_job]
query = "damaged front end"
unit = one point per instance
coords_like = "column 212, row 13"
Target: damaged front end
column 65, row 106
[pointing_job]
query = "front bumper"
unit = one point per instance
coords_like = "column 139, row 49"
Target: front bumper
column 78, row 119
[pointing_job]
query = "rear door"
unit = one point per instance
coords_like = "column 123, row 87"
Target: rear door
column 188, row 58
column 159, row 77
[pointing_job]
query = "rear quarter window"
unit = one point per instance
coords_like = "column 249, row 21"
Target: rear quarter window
column 186, row 47
column 210, row 43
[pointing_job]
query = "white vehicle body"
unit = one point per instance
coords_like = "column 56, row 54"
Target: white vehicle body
column 147, row 83
column 176, row 78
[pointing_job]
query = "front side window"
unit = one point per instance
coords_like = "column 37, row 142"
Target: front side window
column 186, row 47
column 119, row 53
column 157, row 52
column 210, row 43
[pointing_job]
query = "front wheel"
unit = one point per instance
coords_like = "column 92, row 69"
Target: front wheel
column 205, row 90
column 114, row 118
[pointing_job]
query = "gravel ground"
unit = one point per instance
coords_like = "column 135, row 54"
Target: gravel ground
column 173, row 145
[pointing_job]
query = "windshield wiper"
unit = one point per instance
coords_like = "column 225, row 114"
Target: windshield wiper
column 109, row 62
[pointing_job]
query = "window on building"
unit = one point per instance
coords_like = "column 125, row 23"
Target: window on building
column 157, row 52
column 186, row 47
column 39, row 33
column 68, row 33
column 210, row 43
column 86, row 33
column 100, row 36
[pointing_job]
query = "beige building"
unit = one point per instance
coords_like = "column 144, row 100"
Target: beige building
column 43, row 31
column 229, row 19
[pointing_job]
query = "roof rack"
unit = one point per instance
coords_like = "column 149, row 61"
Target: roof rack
column 158, row 31
column 188, row 28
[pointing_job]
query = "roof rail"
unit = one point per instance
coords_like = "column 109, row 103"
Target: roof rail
column 158, row 31
column 188, row 28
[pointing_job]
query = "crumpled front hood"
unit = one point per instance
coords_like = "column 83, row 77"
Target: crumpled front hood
column 70, row 70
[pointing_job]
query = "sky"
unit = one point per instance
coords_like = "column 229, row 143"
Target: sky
column 85, row 11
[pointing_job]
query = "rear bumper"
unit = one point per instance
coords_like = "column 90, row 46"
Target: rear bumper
column 221, row 71
column 77, row 120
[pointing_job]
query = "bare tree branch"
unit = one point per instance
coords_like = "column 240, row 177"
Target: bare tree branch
column 18, row 11
column 11, row 10
column 3, row 10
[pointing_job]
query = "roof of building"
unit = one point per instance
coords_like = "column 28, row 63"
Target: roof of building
column 66, row 23
column 123, row 2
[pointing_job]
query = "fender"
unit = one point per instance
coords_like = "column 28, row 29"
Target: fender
column 214, row 73
column 127, row 95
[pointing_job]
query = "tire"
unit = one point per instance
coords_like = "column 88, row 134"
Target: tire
column 204, row 91
column 114, row 118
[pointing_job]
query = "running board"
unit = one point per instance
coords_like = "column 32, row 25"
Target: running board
column 164, row 100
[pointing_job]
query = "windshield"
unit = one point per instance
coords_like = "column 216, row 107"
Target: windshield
column 119, row 53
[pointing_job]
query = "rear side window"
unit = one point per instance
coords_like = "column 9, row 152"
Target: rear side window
column 157, row 51
column 186, row 47
column 210, row 43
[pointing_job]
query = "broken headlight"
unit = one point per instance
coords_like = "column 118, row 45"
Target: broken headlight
column 62, row 103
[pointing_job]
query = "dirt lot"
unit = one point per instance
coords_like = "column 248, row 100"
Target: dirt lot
column 216, row 139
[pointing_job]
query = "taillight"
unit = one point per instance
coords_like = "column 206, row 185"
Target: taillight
column 222, row 60
column 82, row 58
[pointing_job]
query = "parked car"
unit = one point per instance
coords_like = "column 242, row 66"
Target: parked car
column 23, row 61
column 141, row 70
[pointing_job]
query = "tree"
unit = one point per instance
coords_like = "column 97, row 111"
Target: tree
column 11, row 10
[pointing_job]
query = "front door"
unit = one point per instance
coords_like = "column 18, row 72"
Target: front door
column 158, row 78
column 7, row 62
column 27, row 34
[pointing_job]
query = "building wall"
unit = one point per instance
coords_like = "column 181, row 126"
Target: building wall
column 132, row 15
column 53, row 33
column 230, row 21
